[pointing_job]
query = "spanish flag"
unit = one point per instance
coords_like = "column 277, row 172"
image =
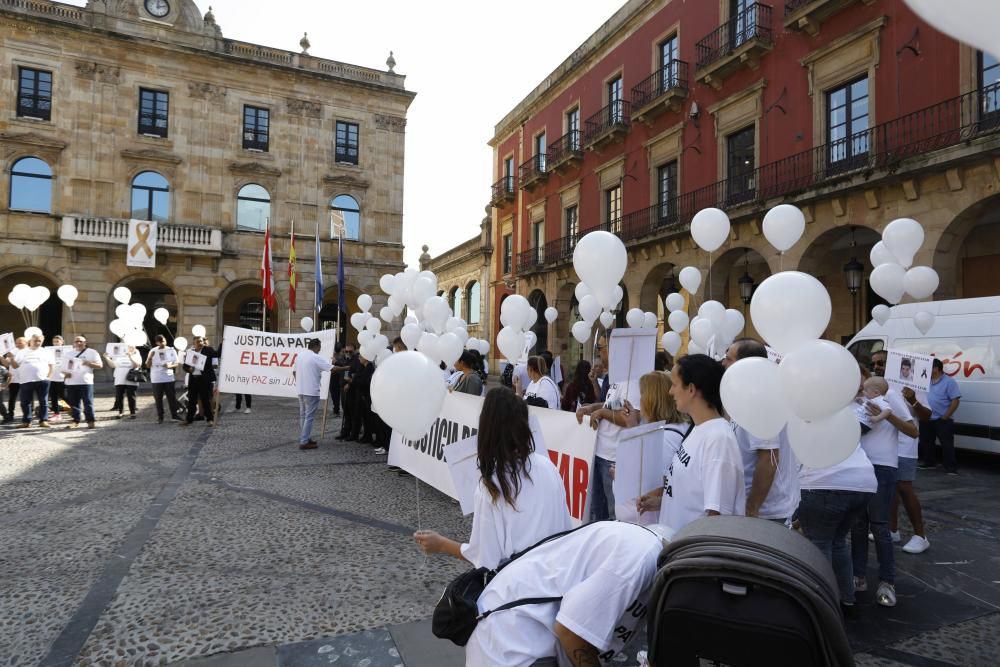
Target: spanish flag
column 291, row 273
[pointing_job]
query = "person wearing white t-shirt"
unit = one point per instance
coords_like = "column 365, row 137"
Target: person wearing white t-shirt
column 34, row 365
column 56, row 379
column 602, row 572
column 309, row 369
column 769, row 465
column 161, row 362
column 82, row 361
column 13, row 379
column 541, row 386
column 706, row 474
column 125, row 388
column 520, row 498
column 908, row 457
column 658, row 405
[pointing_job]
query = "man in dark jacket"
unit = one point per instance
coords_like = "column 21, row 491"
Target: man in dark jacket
column 200, row 383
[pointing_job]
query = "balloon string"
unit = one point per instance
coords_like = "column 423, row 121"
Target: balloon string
column 73, row 320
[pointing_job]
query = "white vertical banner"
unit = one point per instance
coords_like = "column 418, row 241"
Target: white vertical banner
column 141, row 249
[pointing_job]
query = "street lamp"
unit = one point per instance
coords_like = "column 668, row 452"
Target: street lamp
column 854, row 272
column 745, row 281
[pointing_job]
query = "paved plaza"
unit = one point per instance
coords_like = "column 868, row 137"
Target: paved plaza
column 145, row 544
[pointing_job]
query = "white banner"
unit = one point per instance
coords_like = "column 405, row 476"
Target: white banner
column 639, row 469
column 261, row 363
column 632, row 354
column 908, row 370
column 570, row 447
column 141, row 249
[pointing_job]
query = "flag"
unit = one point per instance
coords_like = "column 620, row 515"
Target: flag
column 340, row 274
column 266, row 274
column 291, row 273
column 319, row 275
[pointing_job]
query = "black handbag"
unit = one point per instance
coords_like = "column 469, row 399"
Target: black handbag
column 536, row 401
column 136, row 375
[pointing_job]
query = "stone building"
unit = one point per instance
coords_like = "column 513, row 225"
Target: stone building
column 142, row 109
column 854, row 110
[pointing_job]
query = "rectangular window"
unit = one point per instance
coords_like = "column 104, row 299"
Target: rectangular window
column 508, row 174
column 571, row 217
column 538, row 240
column 613, row 209
column 669, row 54
column 666, row 193
column 34, row 93
column 615, row 106
column 153, row 111
column 742, row 21
column 540, row 153
column 573, row 128
column 989, row 86
column 256, row 128
column 508, row 253
column 347, row 142
column 740, row 174
column 847, row 125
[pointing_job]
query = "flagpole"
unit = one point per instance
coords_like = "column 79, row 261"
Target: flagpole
column 263, row 301
column 291, row 248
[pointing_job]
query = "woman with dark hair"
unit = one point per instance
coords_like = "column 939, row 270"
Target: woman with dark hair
column 706, row 474
column 469, row 382
column 520, row 498
column 542, row 388
column 580, row 390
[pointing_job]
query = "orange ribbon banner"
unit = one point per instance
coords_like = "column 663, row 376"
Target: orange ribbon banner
column 142, row 231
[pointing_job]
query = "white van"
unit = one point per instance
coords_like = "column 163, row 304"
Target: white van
column 966, row 337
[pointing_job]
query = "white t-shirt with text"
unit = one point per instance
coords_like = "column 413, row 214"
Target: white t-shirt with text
column 84, row 374
column 783, row 497
column 853, row 474
column 33, row 364
column 908, row 446
column 545, row 388
column 158, row 364
column 309, row 368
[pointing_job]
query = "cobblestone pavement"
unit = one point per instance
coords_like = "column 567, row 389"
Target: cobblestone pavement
column 142, row 544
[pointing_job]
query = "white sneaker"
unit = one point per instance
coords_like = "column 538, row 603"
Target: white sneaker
column 247, row 411
column 380, row 451
column 896, row 539
column 886, row 594
column 917, row 545
column 871, row 538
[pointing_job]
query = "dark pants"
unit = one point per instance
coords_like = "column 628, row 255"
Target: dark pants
column 335, row 380
column 942, row 430
column 876, row 519
column 199, row 391
column 248, row 398
column 123, row 391
column 161, row 389
column 55, row 393
column 77, row 394
column 12, row 398
column 362, row 419
column 602, row 497
column 347, row 424
column 28, row 391
column 826, row 517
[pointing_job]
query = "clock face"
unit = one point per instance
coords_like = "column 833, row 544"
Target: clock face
column 158, row 8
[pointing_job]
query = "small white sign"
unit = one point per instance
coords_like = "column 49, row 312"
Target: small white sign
column 167, row 355
column 195, row 360
column 909, row 370
column 114, row 350
column 7, row 343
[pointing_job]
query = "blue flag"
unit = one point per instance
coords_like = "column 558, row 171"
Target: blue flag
column 319, row 276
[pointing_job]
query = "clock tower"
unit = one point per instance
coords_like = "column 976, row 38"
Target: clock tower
column 156, row 19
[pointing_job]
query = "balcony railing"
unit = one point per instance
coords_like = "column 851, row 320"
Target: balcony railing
column 111, row 231
column 606, row 123
column 533, row 171
column 753, row 23
column 672, row 79
column 530, row 260
column 565, row 150
column 503, row 191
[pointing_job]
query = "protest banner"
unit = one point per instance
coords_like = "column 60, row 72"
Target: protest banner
column 262, row 363
column 639, row 469
column 570, row 448
column 195, row 360
column 908, row 370
column 7, row 343
column 631, row 354
column 141, row 249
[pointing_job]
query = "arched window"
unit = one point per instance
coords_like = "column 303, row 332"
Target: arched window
column 253, row 207
column 150, row 197
column 472, row 303
column 455, row 301
column 31, row 185
column 252, row 314
column 344, row 210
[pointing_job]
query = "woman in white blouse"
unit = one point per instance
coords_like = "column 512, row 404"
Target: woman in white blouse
column 520, row 498
column 541, row 386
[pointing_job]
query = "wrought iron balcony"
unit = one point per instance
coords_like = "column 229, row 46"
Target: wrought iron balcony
column 565, row 151
column 742, row 40
column 664, row 90
column 503, row 191
column 97, row 232
column 533, row 171
column 530, row 260
column 807, row 15
column 608, row 124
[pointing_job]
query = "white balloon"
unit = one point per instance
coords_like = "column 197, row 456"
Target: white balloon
column 678, row 320
column 751, row 392
column 581, row 291
column 971, row 21
column 581, row 332
column 671, row 342
column 690, row 278
column 634, row 318
column 453, row 323
column 923, row 321
column 411, row 319
column 463, row 334
column 880, row 255
column 715, row 313
column 39, row 295
column 383, row 354
column 365, row 337
column 783, row 226
column 428, row 345
column 161, row 315
column 589, row 309
column 649, row 321
column 616, row 297
column 436, row 313
column 16, row 299
column 530, row 339
column 484, row 347
column 122, row 294
column 694, row 348
column 135, row 337
column 122, row 311
column 710, row 228
column 407, row 392
column 358, row 320
column 903, row 238
column 365, row 302
column 68, row 294
column 551, row 314
column 674, row 302
column 702, row 332
column 118, row 327
column 306, row 323
column 386, row 314
column 886, row 280
column 530, row 318
column 510, row 342
column 180, row 343
column 422, row 289
column 881, row 313
column 920, row 282
column 790, row 308
column 818, row 378
column 387, row 282
column 449, row 348
column 374, row 325
column 607, row 319
column 32, row 331
column 198, row 330
column 411, row 335
column 734, row 323
column 600, row 260
column 396, row 304
column 825, row 442
column 472, row 343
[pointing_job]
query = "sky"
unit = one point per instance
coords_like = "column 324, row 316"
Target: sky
column 469, row 61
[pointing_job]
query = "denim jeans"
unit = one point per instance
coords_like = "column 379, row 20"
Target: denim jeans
column 876, row 518
column 826, row 517
column 27, row 394
column 307, row 410
column 77, row 393
column 602, row 497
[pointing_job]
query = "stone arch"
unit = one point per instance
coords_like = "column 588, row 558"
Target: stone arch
column 565, row 303
column 154, row 293
column 539, row 302
column 327, row 317
column 231, row 300
column 48, row 317
column 723, row 283
column 967, row 252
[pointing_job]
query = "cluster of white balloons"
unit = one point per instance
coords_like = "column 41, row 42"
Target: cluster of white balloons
column 783, row 227
column 127, row 324
column 28, row 298
column 373, row 344
column 599, row 260
column 893, row 275
column 517, row 317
